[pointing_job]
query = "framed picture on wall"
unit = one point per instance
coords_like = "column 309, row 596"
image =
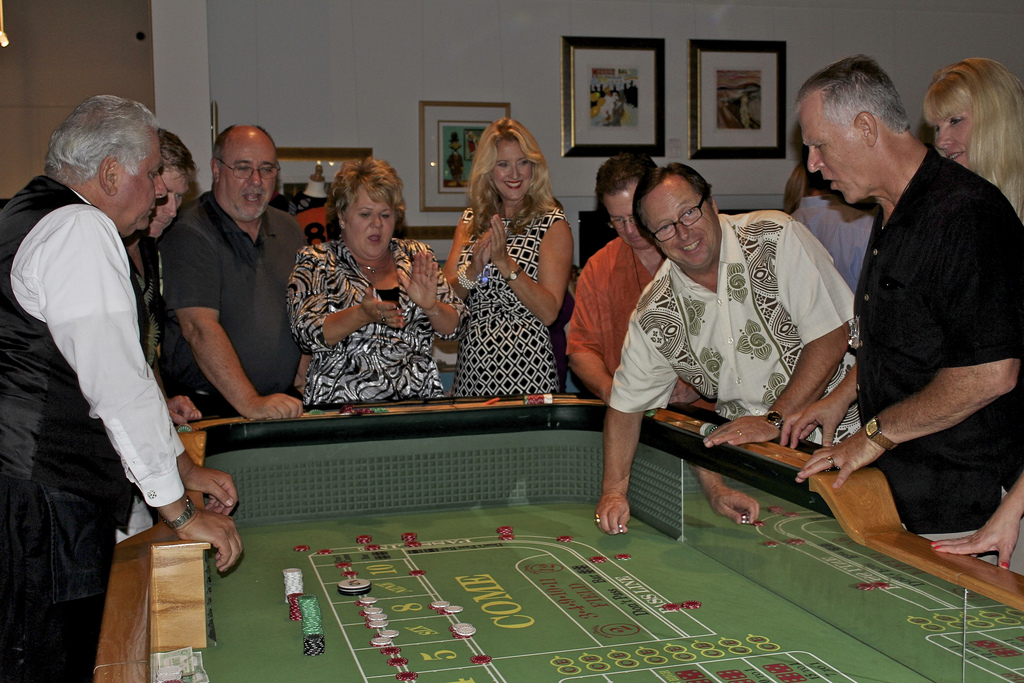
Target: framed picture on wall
column 449, row 134
column 613, row 96
column 737, row 99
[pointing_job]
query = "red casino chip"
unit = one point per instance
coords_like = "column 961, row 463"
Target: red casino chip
column 775, row 509
column 412, row 544
column 349, row 574
column 409, row 536
column 363, row 539
column 795, row 541
column 881, row 584
column 771, row 544
column 623, row 556
column 341, row 564
column 598, row 559
column 480, row 659
column 398, row 661
column 691, row 604
column 390, row 650
column 459, row 636
column 407, row 675
column 671, row 607
column 866, row 586
column 372, row 546
column 758, row 522
column 504, row 530
column 790, row 514
column 506, row 537
column 417, row 572
column 565, row 539
column 301, row 548
column 324, row 551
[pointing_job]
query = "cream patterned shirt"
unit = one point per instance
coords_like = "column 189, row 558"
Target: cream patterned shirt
column 777, row 291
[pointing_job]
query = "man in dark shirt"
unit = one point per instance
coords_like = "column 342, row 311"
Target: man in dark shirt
column 938, row 307
column 226, row 265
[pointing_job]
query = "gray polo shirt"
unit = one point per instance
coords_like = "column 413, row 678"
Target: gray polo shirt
column 210, row 263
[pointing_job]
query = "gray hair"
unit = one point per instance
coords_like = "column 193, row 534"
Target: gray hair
column 855, row 84
column 102, row 126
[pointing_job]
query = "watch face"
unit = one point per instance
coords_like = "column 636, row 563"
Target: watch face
column 871, row 428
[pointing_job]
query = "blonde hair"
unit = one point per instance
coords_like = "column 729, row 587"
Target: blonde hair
column 377, row 177
column 483, row 193
column 995, row 99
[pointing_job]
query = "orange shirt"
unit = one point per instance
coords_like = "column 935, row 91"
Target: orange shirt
column 606, row 294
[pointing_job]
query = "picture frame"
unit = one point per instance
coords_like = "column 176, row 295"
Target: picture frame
column 613, row 96
column 297, row 162
column 448, row 132
column 737, row 99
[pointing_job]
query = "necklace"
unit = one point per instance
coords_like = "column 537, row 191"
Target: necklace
column 373, row 271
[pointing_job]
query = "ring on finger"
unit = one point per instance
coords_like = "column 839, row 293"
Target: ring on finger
column 832, row 462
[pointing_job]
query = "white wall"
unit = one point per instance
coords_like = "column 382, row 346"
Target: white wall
column 61, row 53
column 350, row 73
column 181, row 74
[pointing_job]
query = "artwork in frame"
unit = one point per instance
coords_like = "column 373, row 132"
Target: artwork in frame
column 449, row 134
column 613, row 96
column 737, row 99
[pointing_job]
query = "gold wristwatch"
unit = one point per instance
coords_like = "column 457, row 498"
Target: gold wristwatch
column 873, row 429
column 515, row 273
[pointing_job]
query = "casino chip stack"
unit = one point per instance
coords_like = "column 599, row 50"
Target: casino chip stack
column 353, row 586
column 312, row 626
column 292, row 582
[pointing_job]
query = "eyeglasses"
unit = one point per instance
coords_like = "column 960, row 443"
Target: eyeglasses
column 617, row 223
column 686, row 219
column 244, row 171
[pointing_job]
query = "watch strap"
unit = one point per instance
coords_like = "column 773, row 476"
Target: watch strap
column 877, row 436
column 190, row 511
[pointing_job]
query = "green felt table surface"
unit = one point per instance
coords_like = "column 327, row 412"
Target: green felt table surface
column 545, row 612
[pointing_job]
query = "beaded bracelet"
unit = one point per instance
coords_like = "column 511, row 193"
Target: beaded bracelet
column 466, row 283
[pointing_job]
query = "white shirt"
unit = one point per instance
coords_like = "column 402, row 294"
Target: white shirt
column 71, row 272
column 738, row 345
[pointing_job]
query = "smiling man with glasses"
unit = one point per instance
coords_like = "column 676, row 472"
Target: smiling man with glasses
column 746, row 309
column 227, row 261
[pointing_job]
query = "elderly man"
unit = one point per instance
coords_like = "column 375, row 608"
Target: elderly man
column 747, row 309
column 80, row 413
column 938, row 311
column 226, row 265
column 608, row 290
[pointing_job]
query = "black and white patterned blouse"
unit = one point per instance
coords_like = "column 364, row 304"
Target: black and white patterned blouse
column 376, row 362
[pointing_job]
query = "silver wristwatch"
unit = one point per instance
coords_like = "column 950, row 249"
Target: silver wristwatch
column 190, row 511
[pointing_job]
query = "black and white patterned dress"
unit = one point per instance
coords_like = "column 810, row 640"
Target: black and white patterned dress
column 376, row 362
column 505, row 348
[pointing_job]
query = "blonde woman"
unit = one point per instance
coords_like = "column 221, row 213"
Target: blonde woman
column 510, row 263
column 977, row 109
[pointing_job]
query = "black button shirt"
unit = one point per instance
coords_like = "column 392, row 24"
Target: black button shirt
column 941, row 287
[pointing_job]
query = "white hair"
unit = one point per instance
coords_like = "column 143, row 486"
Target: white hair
column 102, row 126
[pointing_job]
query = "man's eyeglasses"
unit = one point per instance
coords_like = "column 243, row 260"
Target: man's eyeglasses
column 686, row 219
column 617, row 223
column 244, row 171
